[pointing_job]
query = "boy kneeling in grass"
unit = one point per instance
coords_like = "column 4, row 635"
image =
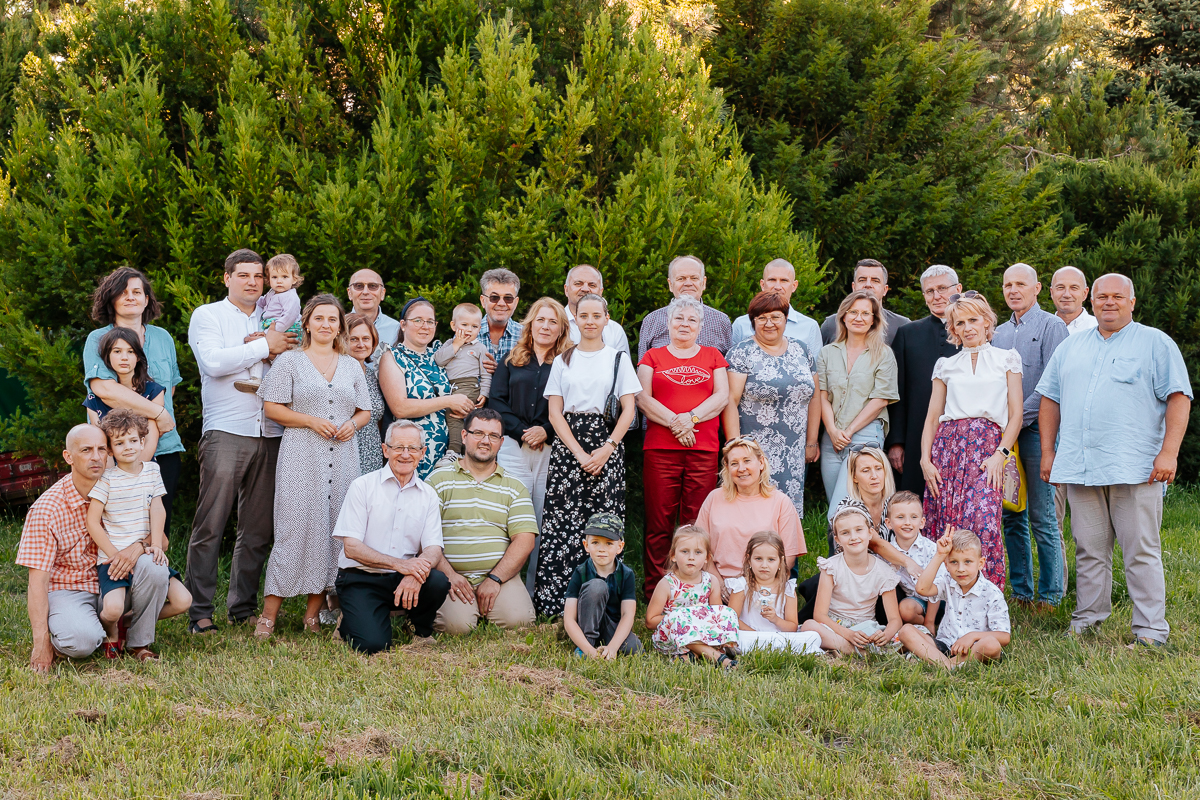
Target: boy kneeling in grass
column 601, row 605
column 976, row 624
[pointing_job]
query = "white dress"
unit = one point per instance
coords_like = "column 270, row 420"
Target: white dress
column 766, row 634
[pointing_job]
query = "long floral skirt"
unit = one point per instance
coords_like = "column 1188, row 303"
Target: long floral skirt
column 572, row 496
column 966, row 499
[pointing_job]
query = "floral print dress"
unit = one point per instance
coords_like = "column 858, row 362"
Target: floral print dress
column 774, row 408
column 424, row 380
column 689, row 617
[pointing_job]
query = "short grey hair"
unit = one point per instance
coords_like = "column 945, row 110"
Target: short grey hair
column 1069, row 268
column 937, row 271
column 403, row 425
column 684, row 301
column 501, row 276
column 572, row 270
column 1024, row 266
column 677, row 259
column 871, row 263
column 1128, row 282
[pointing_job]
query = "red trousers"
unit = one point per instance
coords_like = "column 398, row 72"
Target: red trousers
column 676, row 484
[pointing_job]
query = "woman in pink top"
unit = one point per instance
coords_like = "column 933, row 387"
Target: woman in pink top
column 745, row 503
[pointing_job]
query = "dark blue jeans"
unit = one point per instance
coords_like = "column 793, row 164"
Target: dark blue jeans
column 1038, row 515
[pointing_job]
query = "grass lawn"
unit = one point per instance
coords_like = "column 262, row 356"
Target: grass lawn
column 516, row 715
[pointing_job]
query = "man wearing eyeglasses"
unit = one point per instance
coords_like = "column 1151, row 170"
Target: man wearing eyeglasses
column 366, row 292
column 499, row 332
column 390, row 527
column 917, row 347
column 489, row 528
column 869, row 276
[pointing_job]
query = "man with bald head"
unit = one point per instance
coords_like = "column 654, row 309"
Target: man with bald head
column 586, row 279
column 685, row 276
column 1035, row 334
column 1115, row 402
column 869, row 276
column 1068, row 290
column 366, row 292
column 779, row 276
column 64, row 592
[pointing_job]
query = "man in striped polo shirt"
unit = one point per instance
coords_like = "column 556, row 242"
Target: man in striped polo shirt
column 488, row 530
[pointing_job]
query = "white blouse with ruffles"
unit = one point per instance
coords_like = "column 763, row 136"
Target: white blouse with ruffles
column 979, row 393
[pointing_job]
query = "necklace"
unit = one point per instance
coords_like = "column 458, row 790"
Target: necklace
column 330, row 364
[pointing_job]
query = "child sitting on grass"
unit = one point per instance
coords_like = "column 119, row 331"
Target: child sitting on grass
column 905, row 519
column 975, row 625
column 851, row 582
column 600, row 607
column 764, row 599
column 685, row 610
column 126, row 507
column 461, row 358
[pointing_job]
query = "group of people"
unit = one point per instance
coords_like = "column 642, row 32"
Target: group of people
column 378, row 470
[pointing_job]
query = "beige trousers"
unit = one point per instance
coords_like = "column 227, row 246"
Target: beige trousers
column 512, row 609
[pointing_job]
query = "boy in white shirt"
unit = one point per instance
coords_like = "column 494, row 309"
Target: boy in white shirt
column 125, row 508
column 976, row 624
column 905, row 519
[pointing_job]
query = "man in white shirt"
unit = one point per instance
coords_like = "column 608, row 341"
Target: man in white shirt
column 237, row 455
column 586, row 279
column 366, row 292
column 391, row 530
column 779, row 276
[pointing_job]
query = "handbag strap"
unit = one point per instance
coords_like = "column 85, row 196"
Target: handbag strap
column 616, row 368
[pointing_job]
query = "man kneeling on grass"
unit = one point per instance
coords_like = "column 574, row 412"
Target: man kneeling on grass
column 976, row 622
column 600, row 607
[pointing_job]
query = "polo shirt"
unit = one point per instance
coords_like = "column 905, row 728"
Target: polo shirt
column 621, row 582
column 397, row 521
column 55, row 539
column 161, row 362
column 479, row 518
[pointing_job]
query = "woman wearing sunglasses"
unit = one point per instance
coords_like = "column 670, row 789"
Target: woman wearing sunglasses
column 973, row 421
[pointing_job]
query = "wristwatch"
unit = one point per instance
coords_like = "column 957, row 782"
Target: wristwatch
column 610, row 441
column 1004, row 451
column 695, row 419
column 492, row 575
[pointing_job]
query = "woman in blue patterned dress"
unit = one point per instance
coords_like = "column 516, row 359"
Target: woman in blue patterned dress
column 415, row 387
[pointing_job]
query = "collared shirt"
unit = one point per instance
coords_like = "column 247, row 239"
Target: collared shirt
column 891, row 318
column 798, row 326
column 398, row 521
column 715, row 331
column 508, row 339
column 1035, row 336
column 388, row 330
column 851, row 389
column 613, row 334
column 480, row 518
column 55, row 539
column 518, row 394
column 215, row 334
column 1112, row 396
column 980, row 608
column 1083, row 322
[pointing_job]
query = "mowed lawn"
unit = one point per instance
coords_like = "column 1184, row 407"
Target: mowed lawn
column 516, row 715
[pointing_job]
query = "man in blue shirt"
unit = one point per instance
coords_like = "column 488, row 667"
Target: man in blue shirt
column 779, row 276
column 1035, row 334
column 1117, row 400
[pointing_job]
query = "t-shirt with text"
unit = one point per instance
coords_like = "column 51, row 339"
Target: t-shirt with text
column 681, row 384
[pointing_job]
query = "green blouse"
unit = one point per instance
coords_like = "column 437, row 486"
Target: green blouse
column 850, row 390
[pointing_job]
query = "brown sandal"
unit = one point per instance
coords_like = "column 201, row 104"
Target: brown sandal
column 312, row 625
column 143, row 654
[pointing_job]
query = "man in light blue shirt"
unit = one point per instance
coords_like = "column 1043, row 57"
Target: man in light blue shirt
column 1117, row 400
column 779, row 276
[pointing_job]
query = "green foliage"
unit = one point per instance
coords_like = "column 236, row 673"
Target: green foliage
column 426, row 140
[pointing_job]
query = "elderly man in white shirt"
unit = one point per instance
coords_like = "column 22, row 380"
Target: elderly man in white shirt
column 586, row 279
column 237, row 452
column 391, row 531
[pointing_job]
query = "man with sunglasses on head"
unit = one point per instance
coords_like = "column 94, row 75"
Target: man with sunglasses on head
column 499, row 332
column 917, row 347
column 489, row 528
column 366, row 292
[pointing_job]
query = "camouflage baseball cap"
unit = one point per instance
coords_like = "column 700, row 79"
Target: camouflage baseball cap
column 607, row 525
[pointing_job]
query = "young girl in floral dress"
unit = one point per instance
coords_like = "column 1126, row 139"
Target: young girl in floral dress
column 686, row 610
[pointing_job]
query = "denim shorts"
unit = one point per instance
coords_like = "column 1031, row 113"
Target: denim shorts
column 107, row 584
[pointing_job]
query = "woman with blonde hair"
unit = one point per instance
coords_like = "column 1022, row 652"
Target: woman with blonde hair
column 745, row 503
column 973, row 422
column 858, row 382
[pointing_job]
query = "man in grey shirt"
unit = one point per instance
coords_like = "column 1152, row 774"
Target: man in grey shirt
column 1034, row 334
column 869, row 276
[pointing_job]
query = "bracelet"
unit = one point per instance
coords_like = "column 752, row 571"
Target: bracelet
column 610, row 441
column 160, row 413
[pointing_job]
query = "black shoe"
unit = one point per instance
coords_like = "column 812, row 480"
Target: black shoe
column 195, row 627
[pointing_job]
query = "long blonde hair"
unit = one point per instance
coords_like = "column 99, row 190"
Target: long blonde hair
column 687, row 532
column 765, row 487
column 889, row 483
column 781, row 577
column 875, row 335
column 523, row 350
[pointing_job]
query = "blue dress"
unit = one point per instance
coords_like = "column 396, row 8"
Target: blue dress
column 424, row 380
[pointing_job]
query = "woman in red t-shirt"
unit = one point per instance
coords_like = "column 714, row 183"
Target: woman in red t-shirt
column 684, row 389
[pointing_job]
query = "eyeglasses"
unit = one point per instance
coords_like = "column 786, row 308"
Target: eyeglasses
column 421, row 322
column 490, row 437
column 932, row 290
column 954, row 298
column 860, row 314
column 369, row 287
column 497, row 299
column 404, row 448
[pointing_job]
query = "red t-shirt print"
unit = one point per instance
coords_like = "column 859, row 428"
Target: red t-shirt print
column 681, row 385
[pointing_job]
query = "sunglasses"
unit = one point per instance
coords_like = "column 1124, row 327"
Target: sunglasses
column 369, row 287
column 507, row 299
column 954, row 298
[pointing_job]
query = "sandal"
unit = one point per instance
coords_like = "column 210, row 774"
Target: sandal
column 144, row 654
column 112, row 650
column 726, row 661
column 312, row 625
column 196, row 627
column 263, row 628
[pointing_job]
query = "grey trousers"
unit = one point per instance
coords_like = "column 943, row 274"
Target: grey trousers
column 233, row 469
column 1131, row 515
column 74, row 620
column 598, row 628
column 145, row 598
column 1060, row 513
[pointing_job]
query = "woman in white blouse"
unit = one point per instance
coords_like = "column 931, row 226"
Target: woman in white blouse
column 587, row 459
column 973, row 421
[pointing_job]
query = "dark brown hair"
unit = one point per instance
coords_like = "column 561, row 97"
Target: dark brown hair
column 243, row 256
column 123, row 420
column 141, row 371
column 113, row 286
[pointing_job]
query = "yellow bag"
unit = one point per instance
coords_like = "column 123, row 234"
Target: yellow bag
column 1012, row 490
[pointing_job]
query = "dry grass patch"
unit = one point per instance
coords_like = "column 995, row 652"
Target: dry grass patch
column 372, row 744
column 473, row 783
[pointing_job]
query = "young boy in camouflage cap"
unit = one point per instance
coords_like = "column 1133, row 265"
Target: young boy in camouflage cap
column 601, row 605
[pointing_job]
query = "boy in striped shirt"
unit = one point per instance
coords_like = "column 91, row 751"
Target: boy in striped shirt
column 126, row 507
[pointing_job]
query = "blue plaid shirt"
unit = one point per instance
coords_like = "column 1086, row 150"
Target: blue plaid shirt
column 512, row 332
